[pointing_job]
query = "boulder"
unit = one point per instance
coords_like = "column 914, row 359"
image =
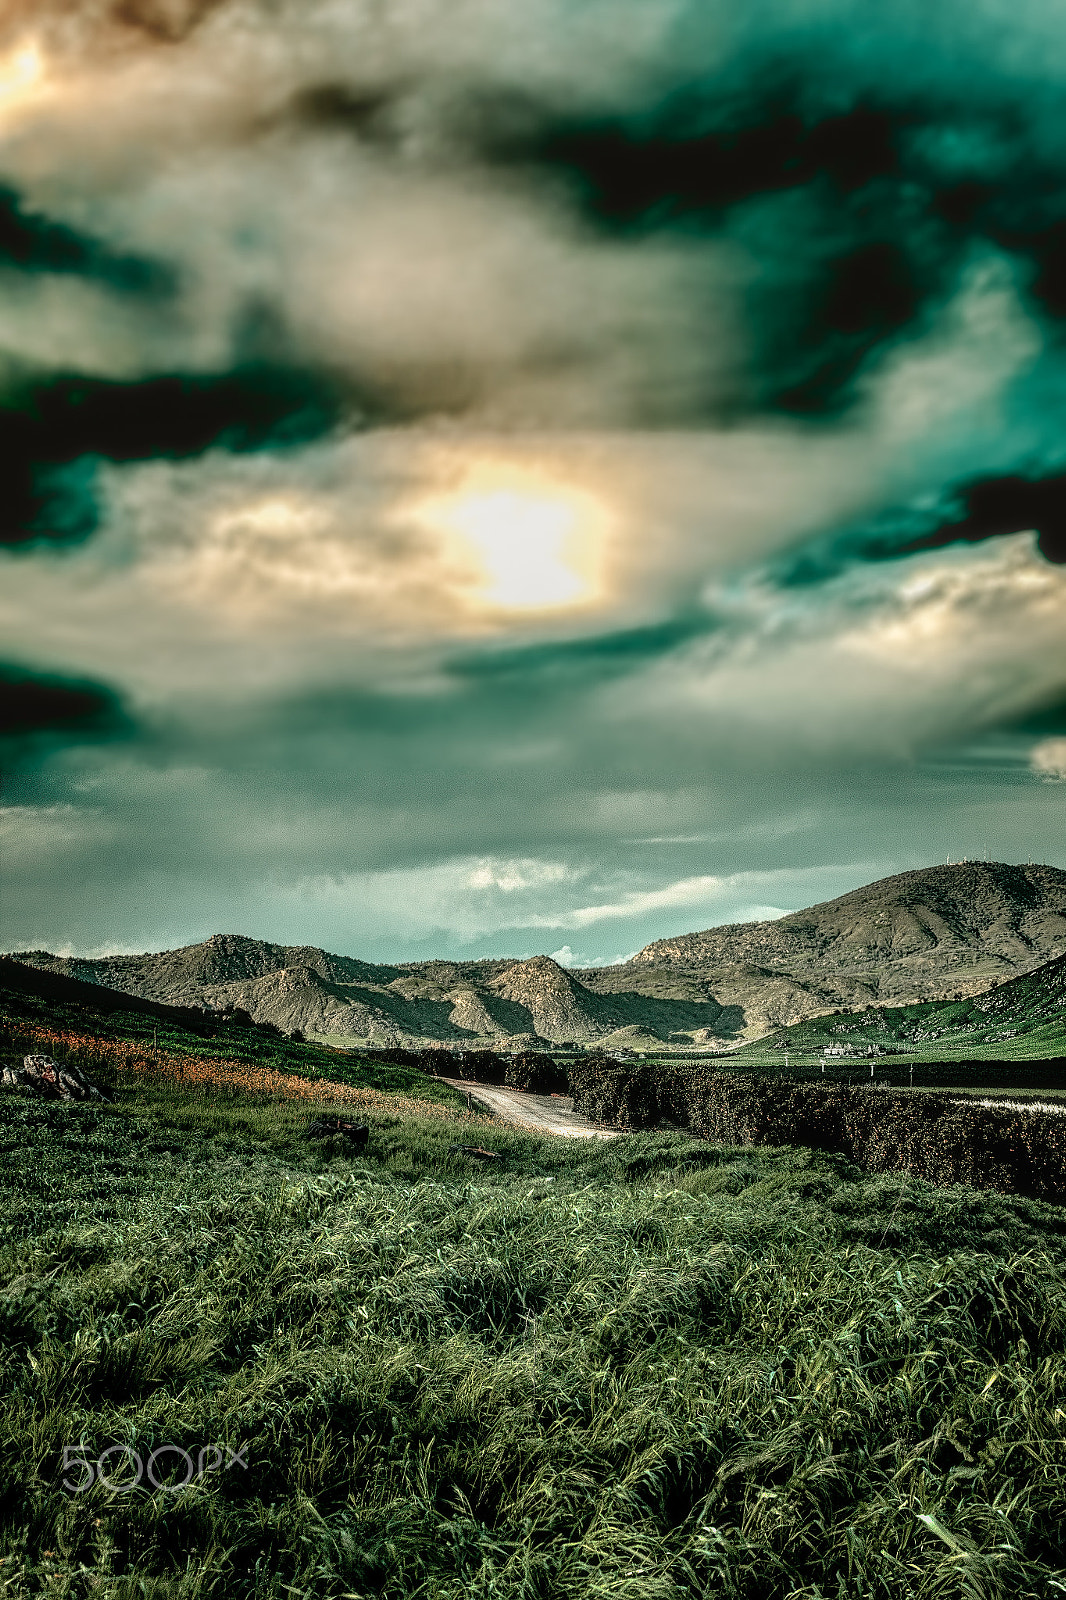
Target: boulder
column 48, row 1080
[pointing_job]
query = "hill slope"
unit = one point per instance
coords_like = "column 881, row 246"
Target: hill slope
column 913, row 937
column 299, row 987
column 1021, row 1018
column 975, row 920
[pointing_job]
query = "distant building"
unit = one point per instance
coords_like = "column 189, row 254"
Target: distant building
column 853, row 1050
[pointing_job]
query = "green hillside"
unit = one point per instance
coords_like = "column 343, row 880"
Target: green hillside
column 33, row 1000
column 1021, row 1019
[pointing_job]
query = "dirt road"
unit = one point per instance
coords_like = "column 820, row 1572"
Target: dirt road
column 541, row 1113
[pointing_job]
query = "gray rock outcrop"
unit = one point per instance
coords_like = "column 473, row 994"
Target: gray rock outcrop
column 46, row 1079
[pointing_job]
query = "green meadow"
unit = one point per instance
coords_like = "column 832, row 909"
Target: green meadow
column 236, row 1363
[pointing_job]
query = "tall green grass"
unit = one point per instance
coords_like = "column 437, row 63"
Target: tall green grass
column 637, row 1369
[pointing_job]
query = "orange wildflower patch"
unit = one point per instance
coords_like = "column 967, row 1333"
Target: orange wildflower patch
column 208, row 1073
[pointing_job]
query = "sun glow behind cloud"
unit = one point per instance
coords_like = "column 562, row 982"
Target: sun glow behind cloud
column 21, row 76
column 520, row 542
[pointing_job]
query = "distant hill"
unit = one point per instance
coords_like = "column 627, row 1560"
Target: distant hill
column 917, row 936
column 300, row 987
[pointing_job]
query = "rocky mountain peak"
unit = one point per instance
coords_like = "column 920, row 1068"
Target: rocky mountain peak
column 561, row 1007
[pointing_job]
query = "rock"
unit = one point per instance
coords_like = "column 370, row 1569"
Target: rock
column 46, row 1079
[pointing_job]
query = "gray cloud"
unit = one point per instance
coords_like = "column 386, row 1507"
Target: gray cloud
column 520, row 471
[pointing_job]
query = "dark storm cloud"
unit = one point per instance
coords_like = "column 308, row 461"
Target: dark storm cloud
column 992, row 507
column 851, row 203
column 669, row 167
column 52, row 433
column 36, row 708
column 967, row 512
column 859, row 220
column 859, row 265
column 30, row 242
column 857, row 176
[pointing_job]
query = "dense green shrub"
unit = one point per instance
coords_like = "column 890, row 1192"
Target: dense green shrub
column 483, row 1066
column 899, row 1072
column 536, row 1073
column 881, row 1130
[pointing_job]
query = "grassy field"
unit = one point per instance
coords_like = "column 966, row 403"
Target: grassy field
column 637, row 1369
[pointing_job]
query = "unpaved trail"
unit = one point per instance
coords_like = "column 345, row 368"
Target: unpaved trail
column 541, row 1113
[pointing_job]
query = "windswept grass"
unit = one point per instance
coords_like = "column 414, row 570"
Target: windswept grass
column 645, row 1368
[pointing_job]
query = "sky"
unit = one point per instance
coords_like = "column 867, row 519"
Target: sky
column 484, row 479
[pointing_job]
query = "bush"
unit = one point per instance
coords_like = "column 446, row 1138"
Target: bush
column 536, row 1073
column 1020, row 1152
column 484, row 1066
column 441, row 1063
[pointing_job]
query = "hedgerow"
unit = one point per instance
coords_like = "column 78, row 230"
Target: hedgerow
column 881, row 1130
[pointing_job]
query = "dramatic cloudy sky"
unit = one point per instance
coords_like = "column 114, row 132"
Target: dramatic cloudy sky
column 487, row 477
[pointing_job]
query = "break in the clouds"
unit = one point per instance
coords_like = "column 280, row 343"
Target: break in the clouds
column 484, row 478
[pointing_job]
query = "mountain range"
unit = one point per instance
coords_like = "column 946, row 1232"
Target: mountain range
column 935, row 933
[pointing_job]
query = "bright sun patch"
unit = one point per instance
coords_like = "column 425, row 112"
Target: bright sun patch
column 522, row 546
column 21, row 72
